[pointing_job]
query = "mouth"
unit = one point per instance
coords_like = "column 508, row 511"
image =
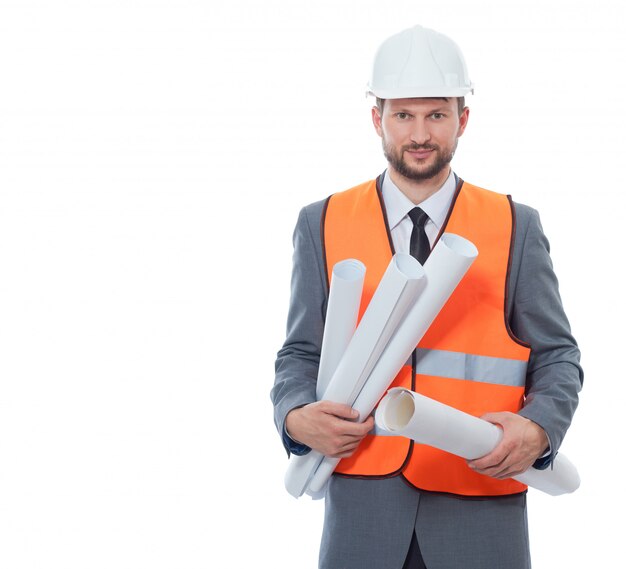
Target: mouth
column 420, row 153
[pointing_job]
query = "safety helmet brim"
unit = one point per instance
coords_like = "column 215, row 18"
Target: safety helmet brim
column 434, row 93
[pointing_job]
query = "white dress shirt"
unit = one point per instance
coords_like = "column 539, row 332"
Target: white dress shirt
column 398, row 206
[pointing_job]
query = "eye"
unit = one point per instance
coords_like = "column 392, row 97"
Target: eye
column 402, row 116
column 438, row 116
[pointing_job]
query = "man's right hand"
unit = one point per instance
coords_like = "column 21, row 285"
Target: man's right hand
column 328, row 428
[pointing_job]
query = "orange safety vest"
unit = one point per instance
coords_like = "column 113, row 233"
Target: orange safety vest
column 469, row 358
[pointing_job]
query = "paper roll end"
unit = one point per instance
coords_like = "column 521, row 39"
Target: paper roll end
column 292, row 489
column 317, row 494
column 395, row 409
column 460, row 245
column 562, row 479
column 349, row 270
column 409, row 266
column 294, row 483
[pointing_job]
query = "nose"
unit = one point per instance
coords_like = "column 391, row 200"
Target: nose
column 420, row 133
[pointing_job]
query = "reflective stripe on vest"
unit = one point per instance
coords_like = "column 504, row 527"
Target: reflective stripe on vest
column 443, row 363
column 468, row 358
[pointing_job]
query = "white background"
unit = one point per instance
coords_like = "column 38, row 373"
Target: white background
column 154, row 156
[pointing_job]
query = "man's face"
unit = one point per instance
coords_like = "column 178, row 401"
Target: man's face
column 419, row 135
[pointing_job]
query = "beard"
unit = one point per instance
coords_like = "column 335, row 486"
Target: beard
column 416, row 173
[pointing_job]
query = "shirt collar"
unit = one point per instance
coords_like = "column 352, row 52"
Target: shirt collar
column 398, row 205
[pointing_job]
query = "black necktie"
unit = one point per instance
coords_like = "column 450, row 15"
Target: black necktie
column 420, row 246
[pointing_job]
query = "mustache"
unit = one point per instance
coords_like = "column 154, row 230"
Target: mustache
column 416, row 147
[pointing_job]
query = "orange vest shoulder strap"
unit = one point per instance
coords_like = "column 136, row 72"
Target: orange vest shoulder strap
column 345, row 235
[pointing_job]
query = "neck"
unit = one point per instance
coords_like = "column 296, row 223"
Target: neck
column 418, row 191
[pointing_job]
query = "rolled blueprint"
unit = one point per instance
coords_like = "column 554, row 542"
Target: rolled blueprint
column 344, row 300
column 448, row 262
column 561, row 478
column 402, row 282
column 430, row 422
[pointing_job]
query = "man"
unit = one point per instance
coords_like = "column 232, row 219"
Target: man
column 393, row 504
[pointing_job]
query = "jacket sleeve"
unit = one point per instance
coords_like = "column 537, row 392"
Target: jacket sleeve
column 297, row 361
column 536, row 316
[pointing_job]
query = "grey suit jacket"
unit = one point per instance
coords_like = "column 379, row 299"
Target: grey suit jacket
column 369, row 522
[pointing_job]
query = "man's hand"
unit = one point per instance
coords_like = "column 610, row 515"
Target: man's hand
column 522, row 443
column 328, row 428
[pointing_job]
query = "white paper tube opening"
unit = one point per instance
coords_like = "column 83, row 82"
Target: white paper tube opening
column 399, row 408
column 460, row 245
column 349, row 270
column 409, row 266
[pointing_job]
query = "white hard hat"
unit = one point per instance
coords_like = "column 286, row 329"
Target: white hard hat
column 419, row 62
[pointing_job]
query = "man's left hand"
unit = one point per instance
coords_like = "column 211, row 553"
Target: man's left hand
column 523, row 442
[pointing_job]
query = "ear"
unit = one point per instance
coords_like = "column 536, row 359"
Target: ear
column 377, row 120
column 463, row 121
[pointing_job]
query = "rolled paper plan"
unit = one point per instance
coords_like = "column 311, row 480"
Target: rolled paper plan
column 402, row 282
column 560, row 478
column 447, row 264
column 426, row 421
column 342, row 313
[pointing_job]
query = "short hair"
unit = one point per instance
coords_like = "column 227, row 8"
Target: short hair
column 380, row 103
